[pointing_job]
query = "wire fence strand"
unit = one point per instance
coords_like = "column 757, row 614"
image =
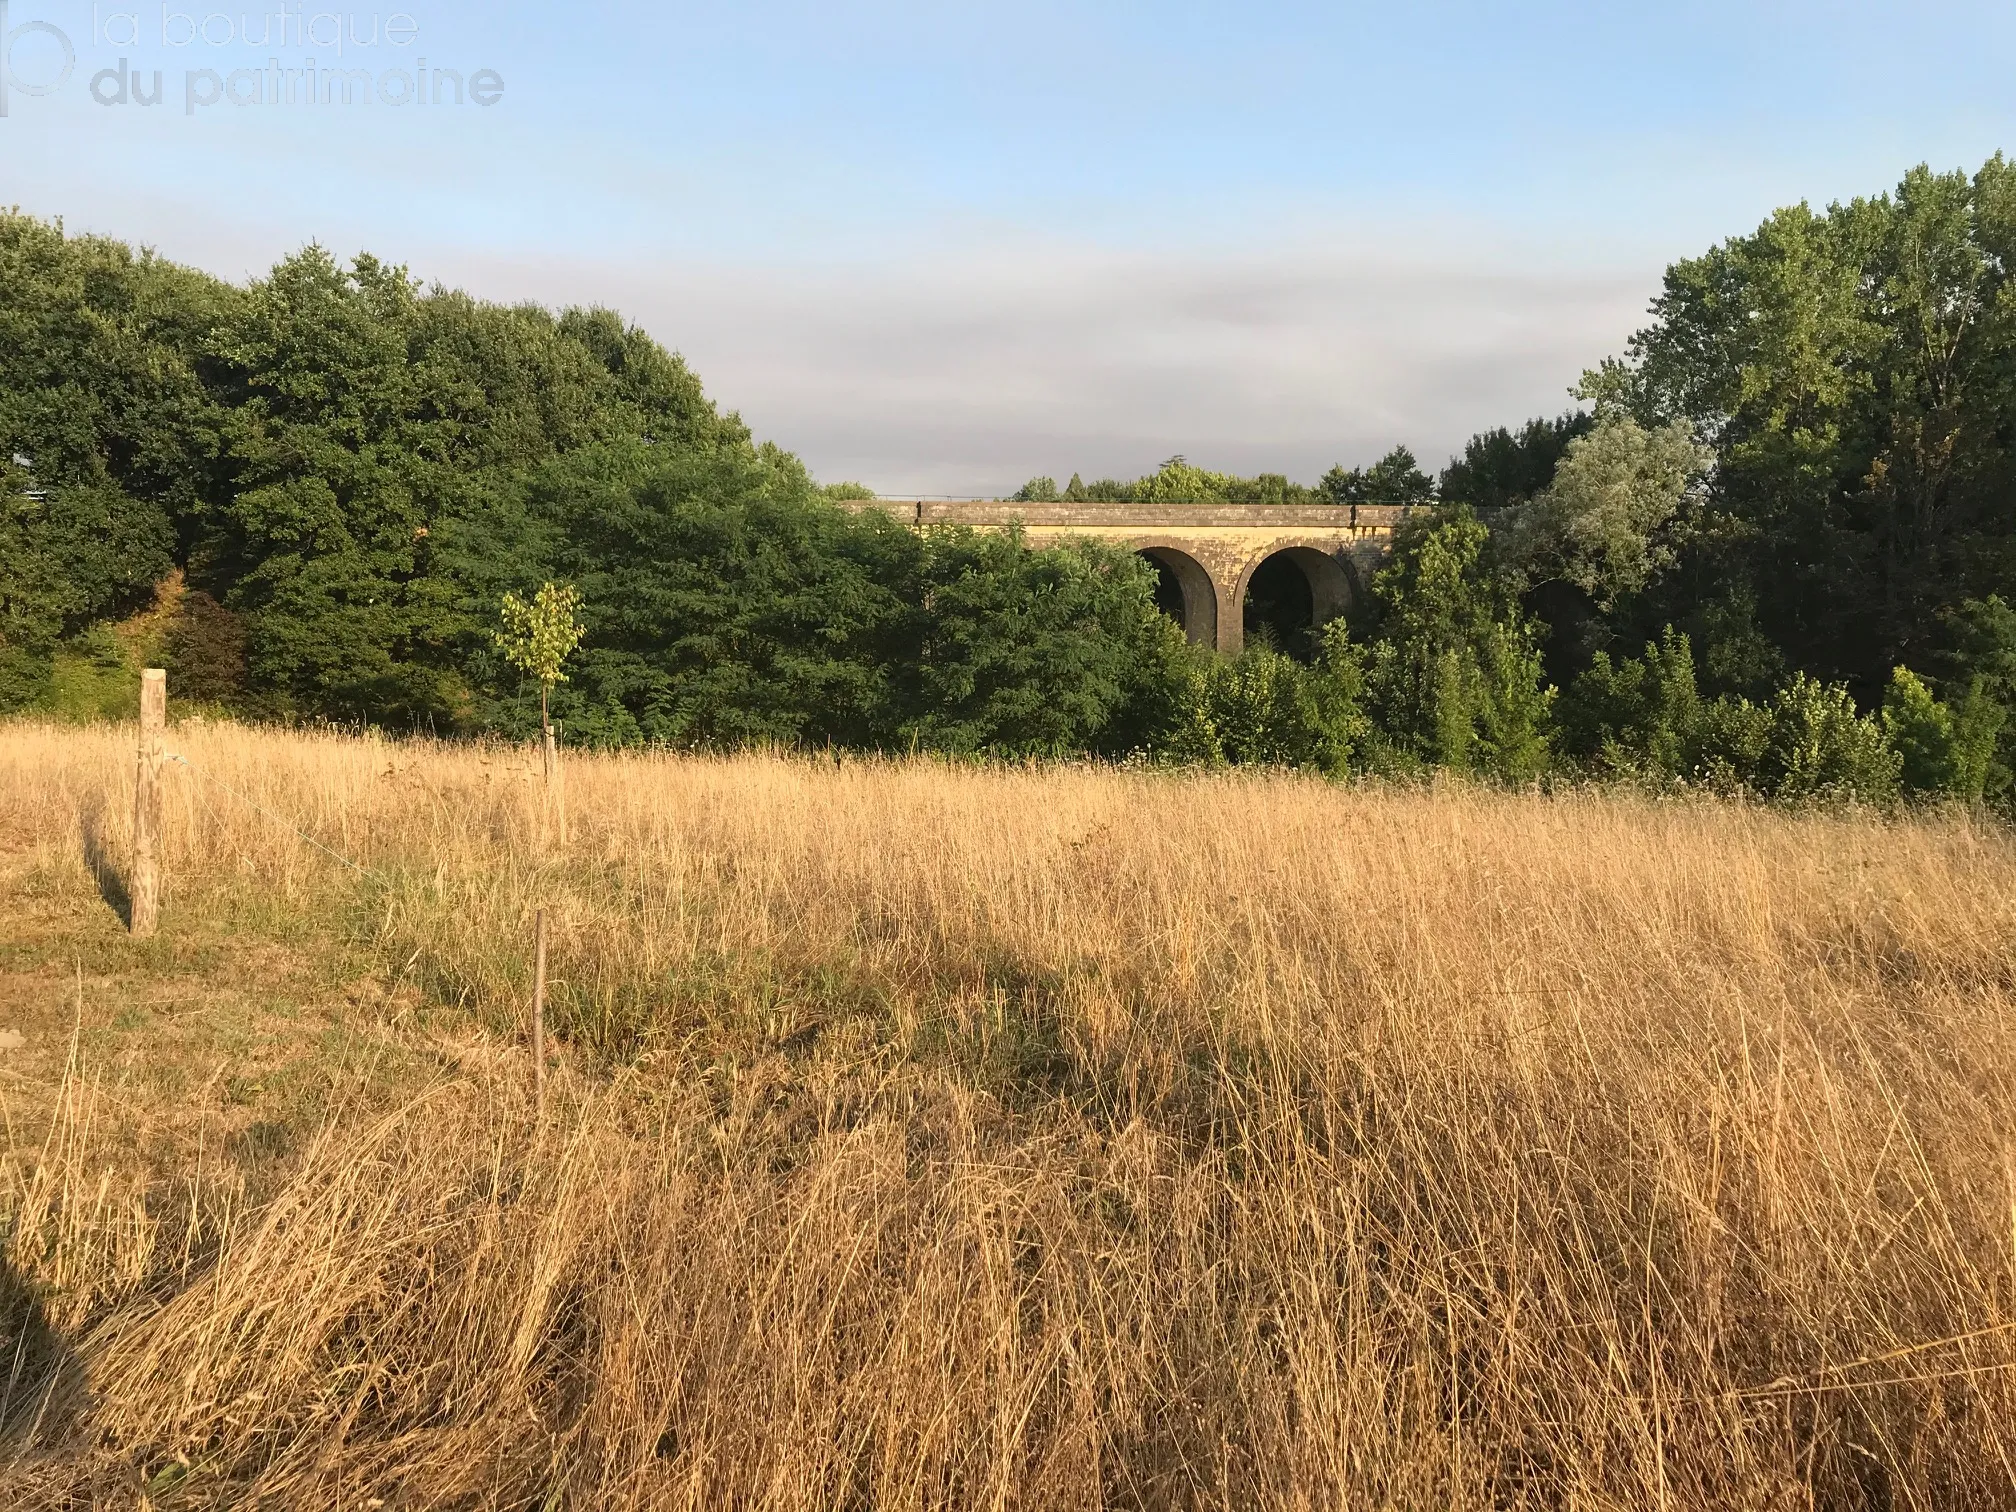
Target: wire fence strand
column 279, row 819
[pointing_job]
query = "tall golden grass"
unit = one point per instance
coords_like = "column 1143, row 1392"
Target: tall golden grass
column 939, row 1136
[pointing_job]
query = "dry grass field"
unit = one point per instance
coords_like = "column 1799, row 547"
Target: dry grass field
column 925, row 1136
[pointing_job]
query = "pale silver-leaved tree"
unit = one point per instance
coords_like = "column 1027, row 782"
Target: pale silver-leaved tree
column 1602, row 524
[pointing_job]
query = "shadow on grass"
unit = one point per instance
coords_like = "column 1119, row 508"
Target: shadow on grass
column 98, row 856
column 40, row 1377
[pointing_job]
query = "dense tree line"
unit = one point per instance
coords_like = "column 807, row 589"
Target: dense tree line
column 1772, row 548
column 1395, row 478
column 349, row 471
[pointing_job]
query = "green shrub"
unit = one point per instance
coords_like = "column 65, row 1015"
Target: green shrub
column 1641, row 717
column 1944, row 752
column 1822, row 747
column 1921, row 730
column 93, row 677
column 1453, row 678
column 1728, row 744
column 1266, row 709
column 1645, row 718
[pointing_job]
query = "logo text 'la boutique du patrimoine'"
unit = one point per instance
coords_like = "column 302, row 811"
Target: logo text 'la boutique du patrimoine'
column 330, row 50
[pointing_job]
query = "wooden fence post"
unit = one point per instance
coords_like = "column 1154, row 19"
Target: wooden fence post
column 144, row 897
column 556, row 781
column 539, row 1014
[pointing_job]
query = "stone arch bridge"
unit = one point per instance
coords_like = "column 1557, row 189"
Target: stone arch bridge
column 1223, row 567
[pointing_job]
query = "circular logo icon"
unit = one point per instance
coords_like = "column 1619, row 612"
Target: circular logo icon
column 12, row 37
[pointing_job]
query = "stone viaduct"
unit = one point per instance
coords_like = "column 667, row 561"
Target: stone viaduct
column 1221, row 565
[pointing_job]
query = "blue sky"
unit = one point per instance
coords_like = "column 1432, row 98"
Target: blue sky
column 941, row 248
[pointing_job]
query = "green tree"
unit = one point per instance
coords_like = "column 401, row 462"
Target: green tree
column 107, row 434
column 377, row 441
column 729, row 604
column 1395, row 478
column 1503, row 467
column 1022, row 652
column 1977, row 679
column 725, row 603
column 1179, row 482
column 538, row 637
column 1921, row 730
column 1852, row 370
column 1946, row 751
column 1823, row 747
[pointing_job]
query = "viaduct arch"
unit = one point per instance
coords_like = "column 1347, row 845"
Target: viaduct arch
column 1290, row 566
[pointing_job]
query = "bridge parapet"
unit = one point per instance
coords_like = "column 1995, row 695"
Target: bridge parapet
column 1094, row 518
column 1207, row 553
